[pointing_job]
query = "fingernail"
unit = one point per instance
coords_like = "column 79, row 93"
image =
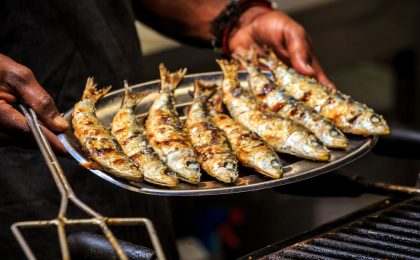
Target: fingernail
column 61, row 122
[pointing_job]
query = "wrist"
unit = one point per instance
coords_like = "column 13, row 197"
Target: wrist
column 237, row 14
column 250, row 14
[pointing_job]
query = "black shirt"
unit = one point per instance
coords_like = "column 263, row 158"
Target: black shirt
column 63, row 42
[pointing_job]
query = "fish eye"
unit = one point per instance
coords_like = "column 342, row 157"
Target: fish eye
column 375, row 119
column 229, row 165
column 315, row 142
column 275, row 163
column 192, row 164
column 334, row 132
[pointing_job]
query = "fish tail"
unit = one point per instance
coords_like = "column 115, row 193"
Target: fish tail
column 204, row 90
column 170, row 81
column 131, row 99
column 229, row 68
column 92, row 92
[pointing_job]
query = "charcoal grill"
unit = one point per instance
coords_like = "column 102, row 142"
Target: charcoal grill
column 389, row 229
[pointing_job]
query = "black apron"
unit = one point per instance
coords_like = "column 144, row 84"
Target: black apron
column 63, row 42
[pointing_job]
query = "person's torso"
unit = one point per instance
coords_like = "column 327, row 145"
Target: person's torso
column 63, row 42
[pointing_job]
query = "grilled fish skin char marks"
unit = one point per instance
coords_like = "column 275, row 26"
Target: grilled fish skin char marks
column 214, row 152
column 96, row 140
column 348, row 115
column 130, row 135
column 275, row 99
column 282, row 134
column 165, row 133
column 249, row 148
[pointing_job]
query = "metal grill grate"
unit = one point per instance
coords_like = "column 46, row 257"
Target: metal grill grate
column 391, row 234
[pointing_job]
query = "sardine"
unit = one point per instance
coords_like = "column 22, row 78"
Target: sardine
column 130, row 135
column 165, row 132
column 250, row 149
column 348, row 115
column 275, row 99
column 281, row 133
column 214, row 152
column 97, row 140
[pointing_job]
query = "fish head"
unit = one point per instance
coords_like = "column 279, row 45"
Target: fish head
column 370, row 123
column 185, row 165
column 305, row 144
column 269, row 164
column 226, row 171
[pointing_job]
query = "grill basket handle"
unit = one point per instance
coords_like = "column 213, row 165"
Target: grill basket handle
column 90, row 246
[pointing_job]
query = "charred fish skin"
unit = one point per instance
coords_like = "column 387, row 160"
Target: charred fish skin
column 348, row 115
column 97, row 140
column 165, row 133
column 282, row 134
column 130, row 135
column 276, row 100
column 250, row 150
column 214, row 152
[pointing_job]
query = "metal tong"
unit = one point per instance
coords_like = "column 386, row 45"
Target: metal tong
column 67, row 195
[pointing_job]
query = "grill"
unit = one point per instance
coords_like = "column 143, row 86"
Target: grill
column 389, row 230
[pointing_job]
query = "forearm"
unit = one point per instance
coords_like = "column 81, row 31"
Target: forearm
column 185, row 20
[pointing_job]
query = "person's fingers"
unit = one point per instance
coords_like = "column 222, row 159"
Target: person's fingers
column 21, row 80
column 7, row 96
column 280, row 48
column 54, row 141
column 321, row 76
column 299, row 51
column 12, row 119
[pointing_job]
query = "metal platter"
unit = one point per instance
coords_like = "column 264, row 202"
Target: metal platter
column 295, row 171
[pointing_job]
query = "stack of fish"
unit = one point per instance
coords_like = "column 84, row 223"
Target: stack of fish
column 290, row 114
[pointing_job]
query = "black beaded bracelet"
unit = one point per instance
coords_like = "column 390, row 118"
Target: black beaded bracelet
column 223, row 24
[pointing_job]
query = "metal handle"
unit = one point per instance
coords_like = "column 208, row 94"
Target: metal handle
column 67, row 195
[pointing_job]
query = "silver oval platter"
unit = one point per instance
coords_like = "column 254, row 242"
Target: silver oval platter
column 295, row 171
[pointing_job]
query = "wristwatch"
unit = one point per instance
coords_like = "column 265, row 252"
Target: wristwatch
column 225, row 22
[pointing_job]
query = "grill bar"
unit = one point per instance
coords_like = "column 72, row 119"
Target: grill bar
column 299, row 255
column 401, row 222
column 404, row 215
column 331, row 252
column 391, row 234
column 379, row 244
column 394, row 229
column 363, row 250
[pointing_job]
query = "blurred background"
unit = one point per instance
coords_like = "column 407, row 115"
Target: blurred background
column 370, row 49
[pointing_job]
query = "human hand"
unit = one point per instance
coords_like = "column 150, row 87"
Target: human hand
column 18, row 83
column 260, row 26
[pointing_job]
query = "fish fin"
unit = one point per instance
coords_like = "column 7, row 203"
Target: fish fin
column 92, row 92
column 215, row 103
column 242, row 60
column 204, row 90
column 252, row 56
column 130, row 98
column 170, row 81
column 229, row 68
column 270, row 59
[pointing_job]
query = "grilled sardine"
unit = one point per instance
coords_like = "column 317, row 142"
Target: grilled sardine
column 130, row 135
column 165, row 132
column 282, row 134
column 213, row 149
column 96, row 140
column 348, row 115
column 250, row 150
column 274, row 99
